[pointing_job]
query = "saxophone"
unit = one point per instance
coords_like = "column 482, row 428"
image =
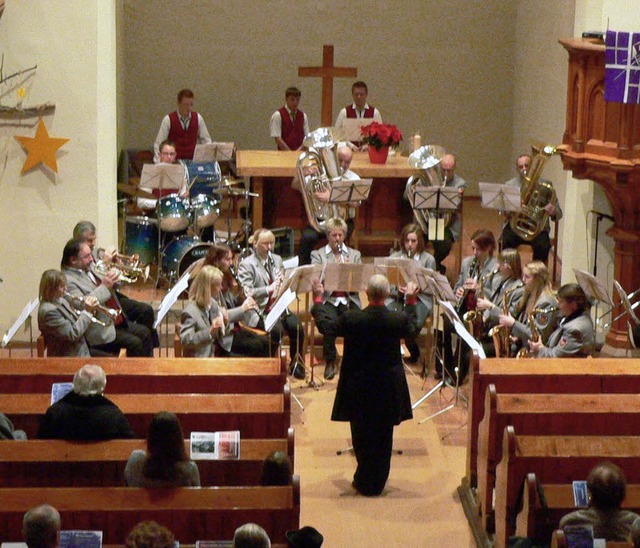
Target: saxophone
column 501, row 335
column 525, row 352
column 534, row 196
column 474, row 317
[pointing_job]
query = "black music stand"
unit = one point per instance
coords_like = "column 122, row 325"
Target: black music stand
column 438, row 201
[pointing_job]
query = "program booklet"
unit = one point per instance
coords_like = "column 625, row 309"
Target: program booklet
column 59, row 390
column 80, row 539
column 215, row 445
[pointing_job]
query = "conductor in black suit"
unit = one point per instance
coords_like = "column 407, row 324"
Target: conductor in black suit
column 372, row 390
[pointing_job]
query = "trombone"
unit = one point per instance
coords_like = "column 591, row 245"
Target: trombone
column 625, row 300
column 111, row 313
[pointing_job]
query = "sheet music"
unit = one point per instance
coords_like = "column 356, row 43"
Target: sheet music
column 302, row 277
column 351, row 128
column 350, row 190
column 171, row 297
column 504, row 198
column 168, row 176
column 592, row 287
column 214, row 152
column 291, row 263
column 347, row 277
column 26, row 313
column 461, row 330
column 278, row 308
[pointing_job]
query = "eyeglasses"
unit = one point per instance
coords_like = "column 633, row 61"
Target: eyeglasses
column 167, row 154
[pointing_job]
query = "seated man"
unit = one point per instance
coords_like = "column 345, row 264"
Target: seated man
column 541, row 243
column 84, row 413
column 260, row 276
column 607, row 487
column 41, row 527
column 119, row 332
column 310, row 237
column 136, row 311
column 335, row 303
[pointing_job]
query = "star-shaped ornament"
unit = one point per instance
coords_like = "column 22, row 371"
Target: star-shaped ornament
column 41, row 149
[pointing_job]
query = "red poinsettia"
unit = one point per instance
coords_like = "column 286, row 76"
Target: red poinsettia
column 381, row 135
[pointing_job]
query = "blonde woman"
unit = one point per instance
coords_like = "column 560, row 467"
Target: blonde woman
column 202, row 323
column 539, row 297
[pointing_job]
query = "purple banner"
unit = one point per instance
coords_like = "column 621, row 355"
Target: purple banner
column 622, row 67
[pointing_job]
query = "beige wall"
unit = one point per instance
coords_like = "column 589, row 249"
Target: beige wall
column 73, row 44
column 444, row 68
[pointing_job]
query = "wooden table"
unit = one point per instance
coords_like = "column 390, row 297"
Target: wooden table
column 385, row 210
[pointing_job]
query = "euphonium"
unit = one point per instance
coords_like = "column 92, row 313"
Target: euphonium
column 534, row 196
column 317, row 169
column 427, row 160
column 501, row 335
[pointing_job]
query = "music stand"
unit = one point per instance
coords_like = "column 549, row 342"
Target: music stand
column 162, row 176
column 594, row 291
column 214, row 152
column 504, row 198
column 439, row 201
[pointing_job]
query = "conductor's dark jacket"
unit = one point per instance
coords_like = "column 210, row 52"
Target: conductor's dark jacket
column 372, row 385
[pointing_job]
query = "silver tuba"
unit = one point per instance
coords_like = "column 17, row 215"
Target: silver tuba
column 427, row 160
column 317, row 169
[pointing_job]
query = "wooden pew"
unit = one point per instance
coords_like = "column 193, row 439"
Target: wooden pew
column 150, row 375
column 255, row 415
column 546, row 414
column 554, row 459
column 191, row 513
column 57, row 463
column 536, row 521
column 565, row 376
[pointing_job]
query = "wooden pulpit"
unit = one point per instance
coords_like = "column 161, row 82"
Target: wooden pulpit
column 602, row 143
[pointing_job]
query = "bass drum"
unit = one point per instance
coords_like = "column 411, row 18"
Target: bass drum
column 181, row 253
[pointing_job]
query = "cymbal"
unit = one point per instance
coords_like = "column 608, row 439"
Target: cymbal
column 228, row 191
column 227, row 181
column 134, row 191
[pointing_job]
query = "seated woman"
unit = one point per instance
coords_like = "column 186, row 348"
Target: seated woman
column 575, row 336
column 202, row 323
column 537, row 310
column 237, row 340
column 506, row 289
column 412, row 247
column 276, row 469
column 165, row 464
column 607, row 486
column 61, row 325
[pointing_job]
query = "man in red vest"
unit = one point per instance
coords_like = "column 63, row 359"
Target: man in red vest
column 359, row 108
column 184, row 127
column 289, row 125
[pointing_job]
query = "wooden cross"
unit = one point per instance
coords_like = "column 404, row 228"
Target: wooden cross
column 327, row 72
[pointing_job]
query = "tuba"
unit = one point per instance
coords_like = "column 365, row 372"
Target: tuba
column 427, row 160
column 534, row 196
column 317, row 169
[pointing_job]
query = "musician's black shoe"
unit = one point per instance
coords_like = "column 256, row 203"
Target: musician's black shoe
column 296, row 370
column 438, row 375
column 330, row 370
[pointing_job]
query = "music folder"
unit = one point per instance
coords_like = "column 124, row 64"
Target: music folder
column 350, row 190
column 437, row 200
column 504, row 198
column 214, row 152
column 162, row 176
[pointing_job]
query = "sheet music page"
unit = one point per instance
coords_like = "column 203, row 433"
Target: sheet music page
column 172, row 297
column 278, row 309
column 347, row 277
column 592, row 287
column 444, row 287
column 169, row 176
column 351, row 128
column 26, row 312
column 214, row 152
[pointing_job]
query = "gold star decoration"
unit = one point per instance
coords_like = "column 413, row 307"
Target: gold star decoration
column 41, row 149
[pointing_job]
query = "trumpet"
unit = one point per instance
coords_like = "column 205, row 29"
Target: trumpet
column 111, row 313
column 129, row 268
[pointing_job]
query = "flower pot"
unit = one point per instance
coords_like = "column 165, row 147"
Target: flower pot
column 378, row 156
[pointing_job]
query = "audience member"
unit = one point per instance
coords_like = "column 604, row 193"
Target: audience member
column 41, row 527
column 251, row 535
column 276, row 469
column 84, row 413
column 165, row 464
column 307, row 537
column 149, row 534
column 635, row 534
column 607, row 486
column 8, row 432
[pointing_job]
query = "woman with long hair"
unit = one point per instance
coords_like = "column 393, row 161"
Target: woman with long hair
column 237, row 340
column 202, row 323
column 412, row 247
column 538, row 303
column 165, row 463
column 62, row 326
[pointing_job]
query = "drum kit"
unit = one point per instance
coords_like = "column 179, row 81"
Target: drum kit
column 174, row 239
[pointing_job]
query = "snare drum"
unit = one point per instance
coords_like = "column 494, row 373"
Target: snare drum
column 205, row 210
column 141, row 237
column 172, row 213
column 181, row 253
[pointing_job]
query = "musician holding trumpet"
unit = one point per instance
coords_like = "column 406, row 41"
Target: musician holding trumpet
column 76, row 264
column 62, row 326
column 335, row 303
